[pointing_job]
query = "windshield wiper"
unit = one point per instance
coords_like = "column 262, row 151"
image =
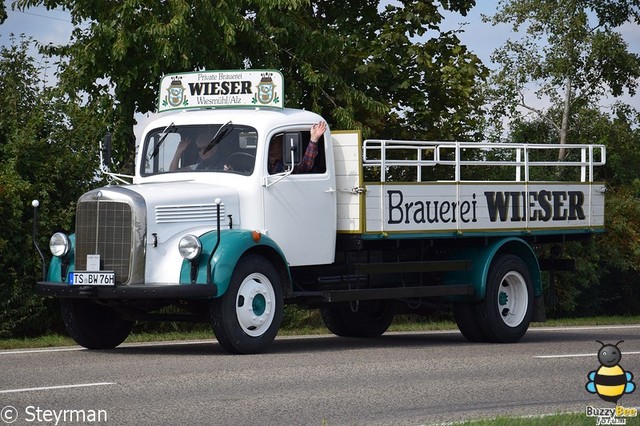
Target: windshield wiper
column 164, row 133
column 220, row 134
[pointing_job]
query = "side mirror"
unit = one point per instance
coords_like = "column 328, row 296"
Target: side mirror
column 105, row 162
column 106, row 149
column 292, row 147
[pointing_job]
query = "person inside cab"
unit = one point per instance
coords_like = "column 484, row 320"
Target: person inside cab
column 276, row 163
column 205, row 161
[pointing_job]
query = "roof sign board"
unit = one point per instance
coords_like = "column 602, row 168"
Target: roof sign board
column 210, row 89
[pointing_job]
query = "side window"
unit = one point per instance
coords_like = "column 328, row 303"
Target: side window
column 309, row 160
column 275, row 157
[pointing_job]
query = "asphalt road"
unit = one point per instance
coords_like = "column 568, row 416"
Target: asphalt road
column 399, row 379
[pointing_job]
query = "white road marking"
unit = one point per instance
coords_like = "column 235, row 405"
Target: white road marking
column 83, row 385
column 126, row 345
column 593, row 354
column 581, row 328
column 585, row 327
column 35, row 351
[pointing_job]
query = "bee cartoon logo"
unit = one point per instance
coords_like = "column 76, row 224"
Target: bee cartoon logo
column 610, row 381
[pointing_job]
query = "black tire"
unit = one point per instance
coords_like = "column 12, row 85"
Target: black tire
column 507, row 308
column 359, row 319
column 92, row 325
column 333, row 320
column 504, row 315
column 467, row 320
column 247, row 317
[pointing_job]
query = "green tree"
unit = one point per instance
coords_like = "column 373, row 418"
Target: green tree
column 39, row 159
column 606, row 278
column 18, row 82
column 387, row 70
column 570, row 52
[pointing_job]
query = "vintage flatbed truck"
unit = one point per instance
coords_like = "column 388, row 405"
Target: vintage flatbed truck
column 375, row 228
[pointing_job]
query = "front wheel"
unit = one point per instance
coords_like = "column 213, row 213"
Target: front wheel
column 92, row 325
column 247, row 317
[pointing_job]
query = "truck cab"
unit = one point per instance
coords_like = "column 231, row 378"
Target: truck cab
column 277, row 204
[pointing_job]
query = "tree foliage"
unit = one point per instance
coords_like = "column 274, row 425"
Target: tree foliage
column 386, row 69
column 569, row 58
column 45, row 154
column 570, row 55
column 606, row 278
column 573, row 55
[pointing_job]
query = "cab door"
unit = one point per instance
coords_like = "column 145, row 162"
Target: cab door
column 300, row 208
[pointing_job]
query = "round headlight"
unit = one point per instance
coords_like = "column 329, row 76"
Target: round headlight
column 59, row 244
column 190, row 247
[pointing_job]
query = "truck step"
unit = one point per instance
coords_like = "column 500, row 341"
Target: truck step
column 387, row 293
column 408, row 267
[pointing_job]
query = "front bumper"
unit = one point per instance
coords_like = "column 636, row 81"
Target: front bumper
column 146, row 291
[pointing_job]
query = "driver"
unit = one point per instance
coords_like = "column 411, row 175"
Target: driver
column 207, row 161
column 275, row 162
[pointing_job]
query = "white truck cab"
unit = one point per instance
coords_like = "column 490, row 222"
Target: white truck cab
column 234, row 210
column 276, row 204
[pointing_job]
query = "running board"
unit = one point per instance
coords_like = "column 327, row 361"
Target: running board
column 388, row 293
column 405, row 267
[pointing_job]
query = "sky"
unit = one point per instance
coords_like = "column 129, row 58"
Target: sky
column 45, row 26
column 483, row 38
column 54, row 26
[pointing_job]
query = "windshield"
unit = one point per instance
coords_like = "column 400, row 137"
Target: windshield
column 224, row 147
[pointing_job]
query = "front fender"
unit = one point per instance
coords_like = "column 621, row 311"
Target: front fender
column 233, row 244
column 481, row 258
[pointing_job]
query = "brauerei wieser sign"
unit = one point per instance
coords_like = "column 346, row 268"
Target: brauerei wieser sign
column 210, row 89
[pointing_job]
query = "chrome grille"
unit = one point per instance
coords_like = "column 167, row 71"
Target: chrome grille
column 105, row 228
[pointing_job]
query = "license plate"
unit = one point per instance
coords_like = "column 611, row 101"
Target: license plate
column 92, row 278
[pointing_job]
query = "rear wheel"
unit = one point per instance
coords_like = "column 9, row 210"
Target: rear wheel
column 358, row 319
column 92, row 325
column 508, row 304
column 333, row 320
column 466, row 317
column 506, row 311
column 247, row 317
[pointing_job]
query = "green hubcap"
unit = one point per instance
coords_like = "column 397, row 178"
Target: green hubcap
column 259, row 304
column 503, row 298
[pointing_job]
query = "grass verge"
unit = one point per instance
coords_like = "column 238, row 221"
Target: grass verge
column 564, row 419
